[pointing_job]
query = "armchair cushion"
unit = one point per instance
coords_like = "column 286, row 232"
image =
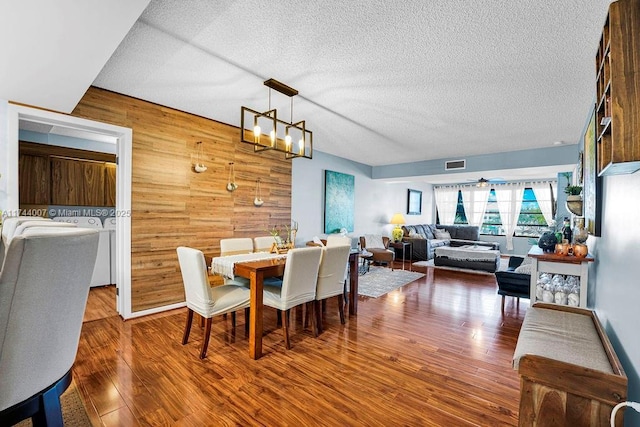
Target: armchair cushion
column 374, row 241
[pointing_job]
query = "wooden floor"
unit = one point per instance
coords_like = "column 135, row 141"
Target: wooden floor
column 435, row 352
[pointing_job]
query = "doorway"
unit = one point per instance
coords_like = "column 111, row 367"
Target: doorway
column 123, row 139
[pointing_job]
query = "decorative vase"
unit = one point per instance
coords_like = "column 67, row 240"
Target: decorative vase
column 547, row 241
column 580, row 250
column 580, row 234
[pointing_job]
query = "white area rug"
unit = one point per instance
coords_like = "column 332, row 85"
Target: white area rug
column 381, row 280
column 504, row 262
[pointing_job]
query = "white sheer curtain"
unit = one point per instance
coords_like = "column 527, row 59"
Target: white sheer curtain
column 446, row 203
column 474, row 200
column 509, row 200
column 545, row 196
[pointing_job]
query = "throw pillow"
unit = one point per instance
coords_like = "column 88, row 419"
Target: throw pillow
column 442, row 234
column 527, row 260
column 523, row 269
column 373, row 241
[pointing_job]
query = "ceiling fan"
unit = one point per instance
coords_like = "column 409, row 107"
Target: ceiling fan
column 483, row 182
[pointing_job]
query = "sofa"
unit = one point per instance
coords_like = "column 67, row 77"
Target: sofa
column 425, row 238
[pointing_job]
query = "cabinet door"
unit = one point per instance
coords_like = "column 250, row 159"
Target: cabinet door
column 76, row 182
column 34, row 180
column 109, row 184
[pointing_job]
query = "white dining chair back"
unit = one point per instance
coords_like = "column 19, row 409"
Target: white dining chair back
column 338, row 240
column 299, row 279
column 236, row 245
column 298, row 285
column 331, row 272
column 332, row 278
column 263, row 243
column 205, row 300
column 44, row 287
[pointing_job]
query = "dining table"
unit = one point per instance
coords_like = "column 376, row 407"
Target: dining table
column 260, row 265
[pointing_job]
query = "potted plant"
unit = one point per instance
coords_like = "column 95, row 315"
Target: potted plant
column 573, row 190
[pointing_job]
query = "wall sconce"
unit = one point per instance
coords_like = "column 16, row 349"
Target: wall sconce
column 266, row 132
column 231, row 184
column 199, row 167
column 257, row 201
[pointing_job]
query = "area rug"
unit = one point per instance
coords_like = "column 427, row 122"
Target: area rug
column 381, row 280
column 73, row 412
column 503, row 266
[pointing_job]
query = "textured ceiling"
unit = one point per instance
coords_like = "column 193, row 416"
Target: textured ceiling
column 380, row 82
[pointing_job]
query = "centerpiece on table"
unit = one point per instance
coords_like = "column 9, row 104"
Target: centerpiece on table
column 284, row 237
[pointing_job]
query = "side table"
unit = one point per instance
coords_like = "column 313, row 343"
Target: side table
column 403, row 245
column 366, row 261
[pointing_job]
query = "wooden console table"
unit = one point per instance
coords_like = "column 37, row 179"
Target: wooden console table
column 544, row 262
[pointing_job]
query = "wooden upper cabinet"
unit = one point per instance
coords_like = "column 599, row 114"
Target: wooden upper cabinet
column 618, row 90
column 51, row 175
column 34, row 179
column 109, row 184
column 77, row 182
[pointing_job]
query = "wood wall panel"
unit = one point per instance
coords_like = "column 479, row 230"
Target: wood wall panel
column 171, row 204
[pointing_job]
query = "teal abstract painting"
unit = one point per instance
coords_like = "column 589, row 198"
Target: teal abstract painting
column 339, row 201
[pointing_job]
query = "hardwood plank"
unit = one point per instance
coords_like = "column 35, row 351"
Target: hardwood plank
column 435, row 352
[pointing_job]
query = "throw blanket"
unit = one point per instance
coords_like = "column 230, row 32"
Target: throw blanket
column 223, row 265
column 467, row 254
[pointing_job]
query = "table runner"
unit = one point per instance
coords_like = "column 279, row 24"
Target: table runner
column 223, row 265
column 467, row 254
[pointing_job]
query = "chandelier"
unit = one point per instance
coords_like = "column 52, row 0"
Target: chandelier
column 265, row 131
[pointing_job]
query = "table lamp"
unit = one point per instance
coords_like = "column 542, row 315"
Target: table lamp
column 397, row 232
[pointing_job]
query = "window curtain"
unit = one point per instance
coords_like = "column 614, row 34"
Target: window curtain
column 509, row 200
column 544, row 196
column 446, row 203
column 474, row 200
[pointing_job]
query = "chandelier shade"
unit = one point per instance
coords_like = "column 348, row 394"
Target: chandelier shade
column 265, row 131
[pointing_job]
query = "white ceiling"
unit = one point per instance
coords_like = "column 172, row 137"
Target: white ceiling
column 380, row 82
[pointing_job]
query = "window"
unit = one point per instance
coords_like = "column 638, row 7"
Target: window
column 531, row 221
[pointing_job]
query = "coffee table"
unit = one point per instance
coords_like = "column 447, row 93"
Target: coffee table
column 468, row 256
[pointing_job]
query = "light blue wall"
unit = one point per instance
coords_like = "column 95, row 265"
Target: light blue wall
column 614, row 278
column 565, row 154
column 67, row 141
column 376, row 200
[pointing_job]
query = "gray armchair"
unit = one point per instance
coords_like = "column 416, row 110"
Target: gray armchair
column 44, row 284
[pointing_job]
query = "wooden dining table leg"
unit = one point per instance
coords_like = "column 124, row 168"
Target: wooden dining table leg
column 353, row 284
column 255, row 316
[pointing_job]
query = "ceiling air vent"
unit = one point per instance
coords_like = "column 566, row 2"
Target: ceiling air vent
column 455, row 165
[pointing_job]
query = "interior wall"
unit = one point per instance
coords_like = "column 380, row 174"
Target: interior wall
column 613, row 279
column 375, row 200
column 174, row 206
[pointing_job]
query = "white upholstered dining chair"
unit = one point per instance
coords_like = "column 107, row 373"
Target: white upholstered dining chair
column 331, row 279
column 263, row 243
column 298, row 285
column 234, row 246
column 44, row 286
column 205, row 300
column 338, row 240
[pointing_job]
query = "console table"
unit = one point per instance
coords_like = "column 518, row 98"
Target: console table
column 553, row 263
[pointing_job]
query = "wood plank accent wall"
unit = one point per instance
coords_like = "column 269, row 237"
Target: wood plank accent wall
column 174, row 206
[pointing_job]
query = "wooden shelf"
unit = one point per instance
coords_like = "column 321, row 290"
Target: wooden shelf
column 618, row 90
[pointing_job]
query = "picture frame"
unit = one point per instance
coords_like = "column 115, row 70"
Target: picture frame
column 591, row 182
column 339, row 201
column 414, row 202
